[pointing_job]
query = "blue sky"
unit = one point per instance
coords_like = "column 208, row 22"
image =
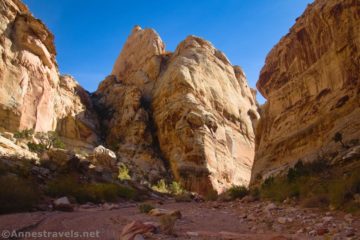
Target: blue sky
column 89, row 34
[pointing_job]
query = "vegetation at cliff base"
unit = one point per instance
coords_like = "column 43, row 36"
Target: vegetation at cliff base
column 174, row 188
column 17, row 194
column 316, row 184
column 238, row 192
column 69, row 186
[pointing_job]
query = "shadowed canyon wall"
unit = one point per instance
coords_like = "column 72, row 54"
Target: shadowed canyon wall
column 311, row 83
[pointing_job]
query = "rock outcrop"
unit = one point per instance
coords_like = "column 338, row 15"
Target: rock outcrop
column 205, row 113
column 32, row 93
column 104, row 157
column 312, row 86
column 190, row 108
column 123, row 103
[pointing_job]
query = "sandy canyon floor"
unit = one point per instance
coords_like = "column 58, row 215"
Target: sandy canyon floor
column 206, row 220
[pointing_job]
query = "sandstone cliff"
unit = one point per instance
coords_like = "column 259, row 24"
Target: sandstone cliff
column 191, row 109
column 204, row 112
column 311, row 83
column 122, row 101
column 32, row 93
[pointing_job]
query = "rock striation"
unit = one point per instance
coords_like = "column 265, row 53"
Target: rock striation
column 190, row 109
column 205, row 115
column 33, row 95
column 311, row 83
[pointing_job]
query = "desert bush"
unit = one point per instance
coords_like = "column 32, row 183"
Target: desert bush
column 24, row 134
column 300, row 169
column 278, row 189
column 161, row 187
column 36, row 147
column 341, row 190
column 238, row 191
column 49, row 140
column 124, row 173
column 339, row 138
column 17, row 194
column 175, row 188
column 88, row 192
column 315, row 185
column 145, row 208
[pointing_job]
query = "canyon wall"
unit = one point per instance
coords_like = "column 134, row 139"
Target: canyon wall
column 33, row 95
column 205, row 114
column 188, row 114
column 311, row 83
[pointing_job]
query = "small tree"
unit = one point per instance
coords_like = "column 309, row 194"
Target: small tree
column 338, row 138
column 50, row 140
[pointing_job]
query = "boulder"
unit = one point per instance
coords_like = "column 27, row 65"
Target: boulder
column 60, row 157
column 104, row 157
column 9, row 149
column 134, row 229
column 63, row 204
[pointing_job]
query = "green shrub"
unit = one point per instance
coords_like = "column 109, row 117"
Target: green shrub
column 123, row 173
column 49, row 139
column 175, row 188
column 145, row 208
column 316, row 185
column 17, row 194
column 238, row 191
column 57, row 143
column 37, row 148
column 24, row 134
column 89, row 192
column 300, row 169
column 161, row 187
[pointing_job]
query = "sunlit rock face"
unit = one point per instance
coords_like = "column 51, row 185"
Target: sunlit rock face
column 189, row 113
column 205, row 111
column 311, row 83
column 190, row 109
column 32, row 93
column 123, row 103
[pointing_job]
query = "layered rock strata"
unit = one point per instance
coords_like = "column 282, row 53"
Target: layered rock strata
column 311, row 83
